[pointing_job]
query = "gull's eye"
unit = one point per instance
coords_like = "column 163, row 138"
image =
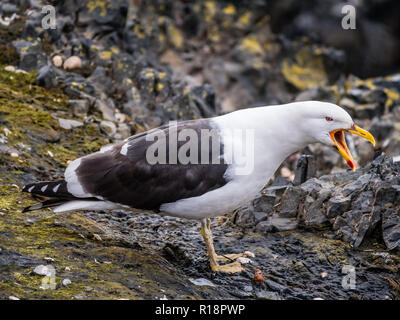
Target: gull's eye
column 328, row 119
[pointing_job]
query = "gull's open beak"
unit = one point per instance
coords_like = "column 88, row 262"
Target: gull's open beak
column 338, row 139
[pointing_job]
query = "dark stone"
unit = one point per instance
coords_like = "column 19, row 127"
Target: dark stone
column 276, row 224
column 75, row 85
column 264, row 227
column 313, row 210
column 79, row 108
column 267, row 295
column 101, row 80
column 126, row 67
column 264, row 203
column 364, row 202
column 111, row 15
column 260, row 216
column 381, row 129
column 46, row 77
column 357, row 185
column 290, row 202
column 337, row 206
column 31, row 55
column 245, row 217
column 391, row 218
column 205, row 100
column 9, row 8
column 303, row 169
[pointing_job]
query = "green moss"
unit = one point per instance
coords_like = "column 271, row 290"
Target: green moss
column 97, row 269
column 14, row 31
column 306, row 70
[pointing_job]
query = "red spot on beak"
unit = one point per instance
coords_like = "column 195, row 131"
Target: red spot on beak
column 351, row 164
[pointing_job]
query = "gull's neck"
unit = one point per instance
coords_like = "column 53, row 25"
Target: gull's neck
column 277, row 134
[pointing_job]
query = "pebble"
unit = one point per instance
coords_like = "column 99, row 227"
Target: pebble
column 9, row 68
column 66, row 282
column 73, row 62
column 97, row 237
column 15, row 70
column 285, row 172
column 202, row 282
column 6, row 132
column 324, row 274
column 68, row 124
column 108, row 127
column 249, row 254
column 41, row 270
column 79, row 107
column 120, row 117
column 57, row 61
column 243, row 260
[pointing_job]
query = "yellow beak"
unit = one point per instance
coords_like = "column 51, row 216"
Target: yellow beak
column 338, row 139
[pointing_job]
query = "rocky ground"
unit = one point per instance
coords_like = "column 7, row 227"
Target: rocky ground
column 114, row 68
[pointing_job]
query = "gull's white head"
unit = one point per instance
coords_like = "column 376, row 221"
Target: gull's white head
column 326, row 123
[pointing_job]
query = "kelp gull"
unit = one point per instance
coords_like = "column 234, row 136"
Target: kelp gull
column 121, row 175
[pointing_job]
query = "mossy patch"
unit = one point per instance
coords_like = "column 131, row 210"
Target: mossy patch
column 306, row 70
column 80, row 249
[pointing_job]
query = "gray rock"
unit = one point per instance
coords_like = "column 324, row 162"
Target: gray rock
column 123, row 130
column 267, row 295
column 275, row 286
column 276, row 224
column 106, row 109
column 305, row 169
column 108, row 127
column 260, row 216
column 391, row 219
column 264, row 203
column 290, row 202
column 66, row 282
column 41, row 270
column 245, row 217
column 69, row 124
column 337, row 205
column 46, row 77
column 8, row 8
column 364, row 202
column 76, row 85
column 264, row 227
column 202, row 282
column 114, row 14
column 80, row 107
column 125, row 67
column 312, row 210
column 357, row 185
column 101, row 80
column 31, row 55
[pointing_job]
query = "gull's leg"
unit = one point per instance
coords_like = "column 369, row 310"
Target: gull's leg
column 207, row 236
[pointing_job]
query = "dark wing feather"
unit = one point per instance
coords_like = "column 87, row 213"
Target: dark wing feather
column 130, row 180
